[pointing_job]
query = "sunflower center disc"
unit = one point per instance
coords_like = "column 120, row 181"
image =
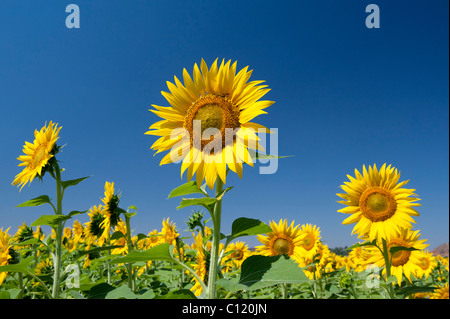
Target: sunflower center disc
column 401, row 257
column 308, row 242
column 281, row 246
column 211, row 111
column 237, row 255
column 377, row 204
column 424, row 263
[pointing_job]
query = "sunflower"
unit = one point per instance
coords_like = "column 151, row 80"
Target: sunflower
column 44, row 267
column 441, row 293
column 110, row 205
column 427, row 262
column 37, row 154
column 238, row 252
column 377, row 203
column 208, row 123
column 94, row 228
column 169, row 233
column 315, row 267
column 358, row 257
column 403, row 262
column 202, row 264
column 121, row 227
column 78, row 232
column 5, row 252
column 282, row 240
column 309, row 245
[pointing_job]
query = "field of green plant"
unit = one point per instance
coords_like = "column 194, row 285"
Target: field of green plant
column 93, row 254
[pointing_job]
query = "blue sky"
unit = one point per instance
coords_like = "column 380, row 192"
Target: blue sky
column 345, row 96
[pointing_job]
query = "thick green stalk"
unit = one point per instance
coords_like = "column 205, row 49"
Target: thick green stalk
column 58, row 233
column 214, row 265
column 130, row 248
column 387, row 262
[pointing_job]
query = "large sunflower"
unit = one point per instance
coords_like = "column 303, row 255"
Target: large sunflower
column 403, row 262
column 198, row 127
column 377, row 203
column 37, row 154
column 282, row 240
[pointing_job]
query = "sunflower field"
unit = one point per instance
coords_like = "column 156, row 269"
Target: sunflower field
column 94, row 254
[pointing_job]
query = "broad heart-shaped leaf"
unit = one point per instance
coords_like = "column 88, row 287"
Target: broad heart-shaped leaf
column 264, row 271
column 186, row 189
column 20, row 267
column 72, row 182
column 160, row 252
column 247, row 227
column 41, row 200
column 50, row 220
column 206, row 202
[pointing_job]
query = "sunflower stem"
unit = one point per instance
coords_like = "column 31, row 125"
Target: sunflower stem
column 214, row 265
column 131, row 283
column 58, row 234
column 387, row 262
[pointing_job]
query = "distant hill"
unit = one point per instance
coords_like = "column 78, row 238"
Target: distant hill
column 441, row 250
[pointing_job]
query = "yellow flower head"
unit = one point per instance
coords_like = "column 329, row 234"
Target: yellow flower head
column 426, row 262
column 207, row 126
column 310, row 235
column 378, row 203
column 282, row 240
column 110, row 205
column 403, row 262
column 169, row 233
column 441, row 293
column 238, row 253
column 37, row 154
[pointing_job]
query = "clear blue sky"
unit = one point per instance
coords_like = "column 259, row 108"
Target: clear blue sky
column 345, row 96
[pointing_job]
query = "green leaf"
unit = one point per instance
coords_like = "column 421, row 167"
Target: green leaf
column 178, row 294
column 414, row 290
column 231, row 285
column 258, row 155
column 223, row 192
column 81, row 253
column 366, row 243
column 20, row 267
column 72, row 182
column 76, row 212
column 105, row 291
column 206, row 202
column 263, row 271
column 50, row 220
column 41, row 200
column 160, row 252
column 117, row 235
column 186, row 189
column 32, row 241
column 5, row 295
column 395, row 249
column 248, row 227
